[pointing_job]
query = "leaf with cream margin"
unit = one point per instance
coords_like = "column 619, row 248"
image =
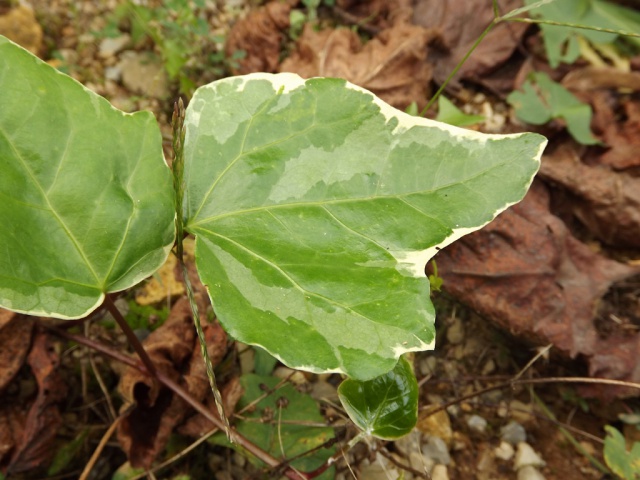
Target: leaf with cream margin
column 86, row 201
column 316, row 207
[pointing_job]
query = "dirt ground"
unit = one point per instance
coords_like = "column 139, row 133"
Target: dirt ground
column 547, row 291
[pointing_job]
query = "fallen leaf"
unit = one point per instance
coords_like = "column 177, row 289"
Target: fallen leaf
column 392, row 65
column 528, row 274
column 379, row 14
column 175, row 351
column 35, row 446
column 608, row 201
column 167, row 286
column 460, row 23
column 15, row 339
column 259, row 36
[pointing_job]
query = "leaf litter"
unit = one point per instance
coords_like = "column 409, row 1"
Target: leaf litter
column 542, row 272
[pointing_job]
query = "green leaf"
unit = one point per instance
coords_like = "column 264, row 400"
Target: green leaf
column 624, row 463
column 285, row 420
column 85, row 195
column 542, row 99
column 449, row 113
column 385, row 407
column 66, row 453
column 316, row 207
column 560, row 42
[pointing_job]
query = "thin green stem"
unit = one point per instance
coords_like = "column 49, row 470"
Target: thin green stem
column 458, row 66
column 179, row 132
column 570, row 25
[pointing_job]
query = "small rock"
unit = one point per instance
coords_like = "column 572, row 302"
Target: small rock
column 144, row 74
column 455, row 332
column 380, row 469
column 427, row 365
column 437, row 424
column 409, row 443
column 530, row 473
column 486, row 465
column 514, row 433
column 526, row 456
column 110, row 46
column 439, row 473
column 418, row 462
column 113, row 73
column 322, row 390
column 504, row 451
column 477, row 423
column 294, row 376
column 436, row 450
column 20, row 25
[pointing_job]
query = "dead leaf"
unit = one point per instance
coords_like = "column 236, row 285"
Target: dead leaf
column 175, row 351
column 597, row 78
column 392, row 65
column 608, row 201
column 35, row 445
column 460, row 23
column 156, row 291
column 527, row 273
column 379, row 14
column 259, row 35
column 15, row 338
column 617, row 120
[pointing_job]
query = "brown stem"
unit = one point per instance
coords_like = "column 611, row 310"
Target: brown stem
column 131, row 337
column 256, row 451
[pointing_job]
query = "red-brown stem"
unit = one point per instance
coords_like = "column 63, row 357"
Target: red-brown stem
column 182, row 393
column 131, row 337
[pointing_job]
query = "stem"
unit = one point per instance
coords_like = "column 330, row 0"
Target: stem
column 459, row 65
column 131, row 337
column 243, row 442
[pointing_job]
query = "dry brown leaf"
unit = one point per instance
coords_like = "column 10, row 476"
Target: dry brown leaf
column 15, row 338
column 259, row 35
column 380, row 14
column 392, row 65
column 608, row 201
column 157, row 291
column 527, row 273
column 460, row 23
column 175, row 351
column 35, row 445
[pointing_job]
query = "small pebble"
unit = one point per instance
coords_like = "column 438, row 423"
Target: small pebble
column 513, row 433
column 504, row 451
column 439, row 473
column 530, row 473
column 110, row 46
column 526, row 456
column 409, row 443
column 455, row 332
column 436, row 450
column 477, row 423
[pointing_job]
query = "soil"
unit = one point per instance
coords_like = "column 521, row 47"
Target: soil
column 97, row 44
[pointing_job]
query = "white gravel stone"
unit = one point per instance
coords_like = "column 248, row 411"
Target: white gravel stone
column 504, row 451
column 110, row 46
column 514, row 433
column 477, row 423
column 440, row 473
column 526, row 456
column 436, row 450
column 530, row 473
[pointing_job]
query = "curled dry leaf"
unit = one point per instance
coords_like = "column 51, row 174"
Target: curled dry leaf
column 379, row 14
column 608, row 201
column 15, row 338
column 460, row 23
column 34, row 442
column 259, row 36
column 156, row 291
column 527, row 273
column 175, row 351
column 392, row 65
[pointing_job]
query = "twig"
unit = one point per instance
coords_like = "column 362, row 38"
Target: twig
column 103, row 441
column 243, row 442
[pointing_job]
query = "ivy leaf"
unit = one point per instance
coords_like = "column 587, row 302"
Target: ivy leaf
column 279, row 424
column 542, row 100
column 86, row 201
column 316, row 207
column 385, row 407
column 624, row 463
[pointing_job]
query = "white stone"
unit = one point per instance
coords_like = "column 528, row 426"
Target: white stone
column 477, row 423
column 530, row 473
column 439, row 473
column 504, row 451
column 110, row 46
column 526, row 456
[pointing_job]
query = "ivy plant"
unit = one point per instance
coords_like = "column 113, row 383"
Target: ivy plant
column 315, row 207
